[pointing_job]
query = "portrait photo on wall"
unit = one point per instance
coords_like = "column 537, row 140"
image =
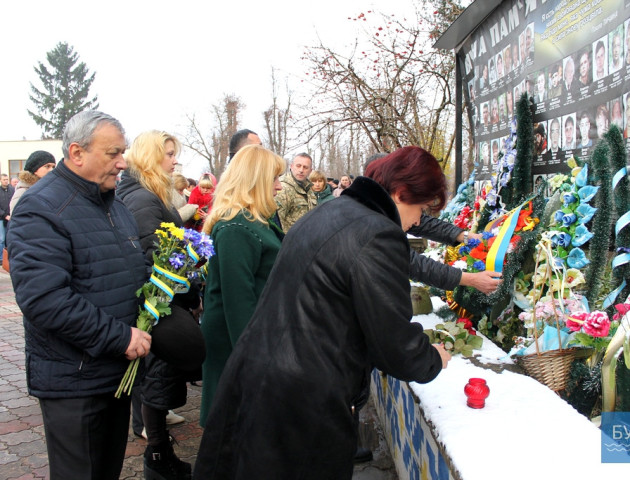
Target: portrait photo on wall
column 570, row 88
column 615, row 49
column 602, row 120
column 540, row 138
column 568, row 132
column 554, row 80
column 585, row 75
column 586, row 130
column 627, row 42
column 600, row 70
column 616, row 112
column 554, row 153
column 495, row 152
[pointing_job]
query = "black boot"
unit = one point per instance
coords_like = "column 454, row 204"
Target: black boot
column 363, row 455
column 161, row 463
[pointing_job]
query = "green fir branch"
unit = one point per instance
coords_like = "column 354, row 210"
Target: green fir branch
column 522, row 174
column 602, row 221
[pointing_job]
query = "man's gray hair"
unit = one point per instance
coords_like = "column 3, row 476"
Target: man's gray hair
column 80, row 128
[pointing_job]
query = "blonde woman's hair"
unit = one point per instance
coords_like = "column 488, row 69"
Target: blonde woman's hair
column 247, row 185
column 179, row 181
column 317, row 175
column 145, row 159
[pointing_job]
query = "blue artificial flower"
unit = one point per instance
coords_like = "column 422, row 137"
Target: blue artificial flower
column 205, row 248
column 513, row 126
column 464, row 250
column 558, row 216
column 558, row 262
column 582, row 235
column 569, row 198
column 560, row 239
column 577, row 259
column 177, row 260
column 505, row 178
column 491, row 198
column 568, row 219
column 479, row 265
column 487, row 235
column 510, row 158
column 582, row 177
column 587, row 193
column 623, row 250
column 585, row 212
column 473, row 242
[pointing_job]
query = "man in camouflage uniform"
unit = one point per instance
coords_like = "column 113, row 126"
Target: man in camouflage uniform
column 296, row 197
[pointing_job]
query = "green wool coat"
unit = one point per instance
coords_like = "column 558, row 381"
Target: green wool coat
column 245, row 253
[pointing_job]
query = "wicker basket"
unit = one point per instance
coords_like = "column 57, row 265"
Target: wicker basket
column 551, row 368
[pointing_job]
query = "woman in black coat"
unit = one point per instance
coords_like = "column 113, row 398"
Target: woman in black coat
column 146, row 188
column 335, row 305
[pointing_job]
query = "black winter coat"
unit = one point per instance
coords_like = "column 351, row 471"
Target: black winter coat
column 428, row 271
column 76, row 264
column 336, row 304
column 164, row 386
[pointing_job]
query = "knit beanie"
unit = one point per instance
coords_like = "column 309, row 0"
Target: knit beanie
column 38, row 159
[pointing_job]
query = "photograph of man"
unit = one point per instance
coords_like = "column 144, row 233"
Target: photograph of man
column 493, row 71
column 615, row 46
column 538, row 181
column 471, row 91
column 529, row 86
column 540, row 138
column 627, row 42
column 568, row 138
column 555, row 80
column 541, row 92
column 509, row 100
column 570, row 88
column 485, row 114
column 529, row 40
column 584, row 62
column 507, row 60
column 495, row 152
column 500, row 71
column 515, row 57
column 502, row 108
column 626, row 130
column 483, row 81
column 553, row 151
column 602, row 120
column 518, row 90
column 494, row 111
column 484, row 154
column 522, row 48
column 601, row 63
column 616, row 113
column 584, row 130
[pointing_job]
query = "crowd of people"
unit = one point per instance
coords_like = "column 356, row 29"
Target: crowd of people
column 307, row 292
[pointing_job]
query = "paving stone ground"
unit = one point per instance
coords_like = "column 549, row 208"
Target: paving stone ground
column 22, row 441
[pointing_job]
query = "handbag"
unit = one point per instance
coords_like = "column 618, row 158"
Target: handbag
column 5, row 259
column 177, row 339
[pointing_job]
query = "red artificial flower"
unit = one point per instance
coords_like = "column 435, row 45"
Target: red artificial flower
column 467, row 324
column 622, row 309
column 597, row 324
column 575, row 321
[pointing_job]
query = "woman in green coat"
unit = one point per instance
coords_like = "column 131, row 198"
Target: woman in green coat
column 246, row 245
column 320, row 187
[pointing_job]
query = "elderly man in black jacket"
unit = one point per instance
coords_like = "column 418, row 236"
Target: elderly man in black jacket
column 76, row 264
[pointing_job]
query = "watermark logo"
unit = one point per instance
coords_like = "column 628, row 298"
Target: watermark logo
column 615, row 437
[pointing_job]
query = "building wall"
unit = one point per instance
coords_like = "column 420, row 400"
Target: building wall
column 13, row 154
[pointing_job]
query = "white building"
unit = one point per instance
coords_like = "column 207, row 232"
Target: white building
column 13, row 154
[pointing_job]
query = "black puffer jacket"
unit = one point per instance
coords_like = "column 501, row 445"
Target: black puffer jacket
column 76, row 264
column 428, row 271
column 164, row 386
column 336, row 303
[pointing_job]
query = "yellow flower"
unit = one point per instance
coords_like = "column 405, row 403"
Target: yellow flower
column 571, row 162
column 574, row 277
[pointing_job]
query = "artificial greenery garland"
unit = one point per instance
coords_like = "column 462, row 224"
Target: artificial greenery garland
column 602, row 222
column 522, row 175
column 621, row 196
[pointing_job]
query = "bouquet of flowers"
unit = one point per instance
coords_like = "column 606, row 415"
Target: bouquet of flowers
column 457, row 337
column 179, row 256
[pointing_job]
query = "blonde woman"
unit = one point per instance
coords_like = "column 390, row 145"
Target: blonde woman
column 180, row 202
column 146, row 188
column 246, row 245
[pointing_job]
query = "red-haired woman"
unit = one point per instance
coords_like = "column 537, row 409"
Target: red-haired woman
column 335, row 305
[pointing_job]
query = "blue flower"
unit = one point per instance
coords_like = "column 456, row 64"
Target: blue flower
column 587, row 192
column 577, row 259
column 479, row 265
column 177, row 260
column 558, row 216
column 491, row 198
column 585, row 212
column 582, row 235
column 568, row 219
column 464, row 250
column 473, row 242
column 558, row 262
column 561, row 239
column 568, row 198
column 582, row 177
column 487, row 235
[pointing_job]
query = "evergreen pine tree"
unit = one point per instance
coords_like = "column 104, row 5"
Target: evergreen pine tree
column 66, row 84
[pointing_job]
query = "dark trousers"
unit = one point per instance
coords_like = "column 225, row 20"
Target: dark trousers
column 86, row 437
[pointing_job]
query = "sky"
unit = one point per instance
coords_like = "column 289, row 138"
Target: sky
column 157, row 61
column 525, row 430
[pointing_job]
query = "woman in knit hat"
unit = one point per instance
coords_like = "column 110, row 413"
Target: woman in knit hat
column 38, row 164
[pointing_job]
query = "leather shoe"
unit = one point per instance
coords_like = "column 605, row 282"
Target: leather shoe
column 363, row 455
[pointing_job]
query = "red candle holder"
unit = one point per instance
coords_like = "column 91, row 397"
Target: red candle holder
column 476, row 391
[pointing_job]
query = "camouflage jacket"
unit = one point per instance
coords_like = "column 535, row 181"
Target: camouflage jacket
column 294, row 200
